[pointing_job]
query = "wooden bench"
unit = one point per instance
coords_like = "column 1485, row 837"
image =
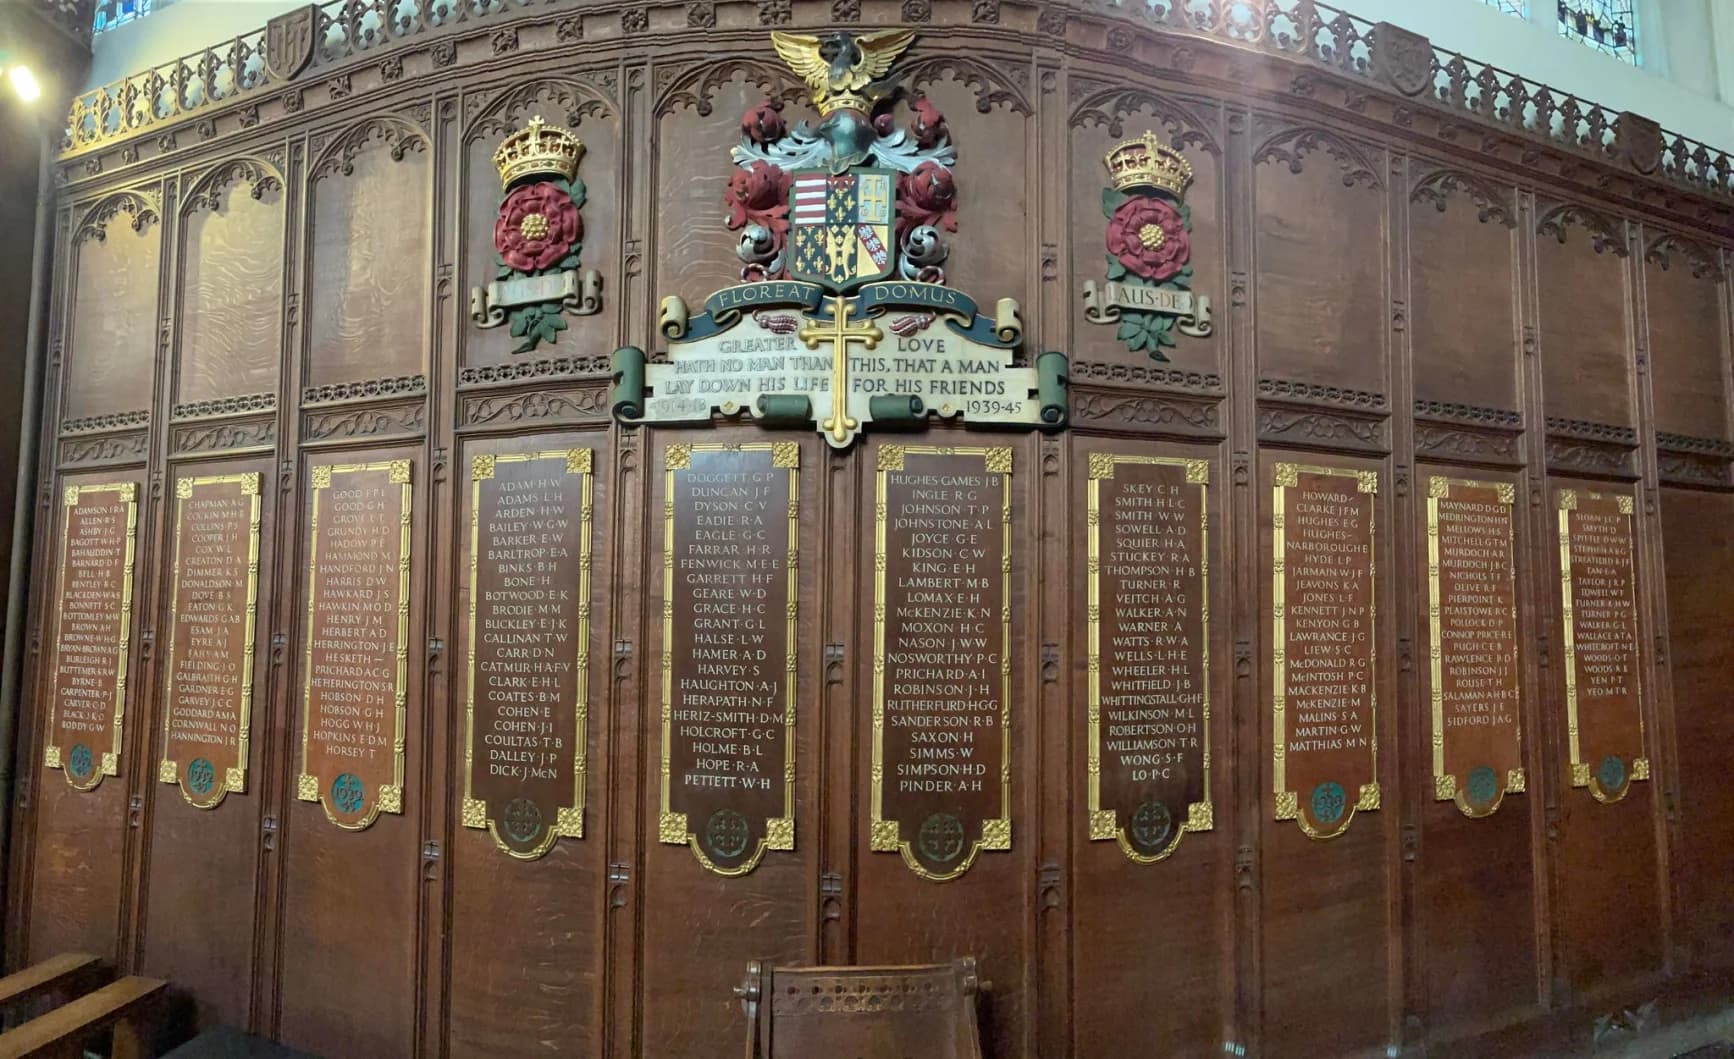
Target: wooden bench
column 127, row 1007
column 927, row 1011
column 54, row 980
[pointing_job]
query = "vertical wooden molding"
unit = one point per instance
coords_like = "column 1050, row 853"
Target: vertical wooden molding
column 1046, row 734
column 1409, row 734
column 1542, row 688
column 1653, row 591
column 1240, row 503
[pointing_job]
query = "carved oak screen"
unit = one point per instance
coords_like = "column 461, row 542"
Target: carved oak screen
column 1260, row 681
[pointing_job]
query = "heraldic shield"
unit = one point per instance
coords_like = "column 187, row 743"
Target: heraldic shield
column 840, row 227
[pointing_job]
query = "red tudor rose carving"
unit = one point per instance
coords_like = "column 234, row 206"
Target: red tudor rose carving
column 759, row 195
column 927, row 196
column 538, row 225
column 1149, row 237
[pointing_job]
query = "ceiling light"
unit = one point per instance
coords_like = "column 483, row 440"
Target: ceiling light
column 24, row 83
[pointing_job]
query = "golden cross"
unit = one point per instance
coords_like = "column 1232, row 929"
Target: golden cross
column 840, row 333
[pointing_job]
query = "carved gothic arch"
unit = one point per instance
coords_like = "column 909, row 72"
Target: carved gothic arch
column 570, row 101
column 1005, row 85
column 1290, row 144
column 1705, row 261
column 696, row 85
column 1605, row 232
column 142, row 204
column 1110, row 105
column 207, row 191
column 1494, row 203
column 337, row 156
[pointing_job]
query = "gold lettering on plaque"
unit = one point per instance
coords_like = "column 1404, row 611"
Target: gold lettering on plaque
column 530, row 616
column 194, row 711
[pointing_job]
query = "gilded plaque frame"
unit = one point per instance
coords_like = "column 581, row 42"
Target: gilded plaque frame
column 569, row 822
column 235, row 780
column 389, row 798
column 885, row 835
column 672, row 828
column 109, row 764
column 1445, row 788
column 1583, row 774
column 1200, row 816
column 1286, row 803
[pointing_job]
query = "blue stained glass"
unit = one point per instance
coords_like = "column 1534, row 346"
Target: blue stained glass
column 1608, row 26
column 112, row 13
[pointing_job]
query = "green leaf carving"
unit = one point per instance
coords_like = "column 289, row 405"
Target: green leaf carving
column 1115, row 269
column 569, row 261
column 1111, row 200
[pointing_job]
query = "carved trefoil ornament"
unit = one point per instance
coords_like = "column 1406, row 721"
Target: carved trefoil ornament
column 538, row 238
column 1148, row 289
column 843, row 317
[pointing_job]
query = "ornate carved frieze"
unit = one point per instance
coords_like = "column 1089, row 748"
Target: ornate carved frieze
column 103, row 450
column 226, row 406
column 343, row 423
column 1156, row 413
column 103, row 424
column 566, row 405
column 524, row 371
column 223, row 435
column 365, row 390
column 1310, row 415
column 1468, row 433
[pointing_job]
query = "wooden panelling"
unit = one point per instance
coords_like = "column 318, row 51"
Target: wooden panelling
column 1393, row 297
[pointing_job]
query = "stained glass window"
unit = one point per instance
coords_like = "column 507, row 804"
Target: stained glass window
column 1608, row 26
column 112, row 13
column 1520, row 8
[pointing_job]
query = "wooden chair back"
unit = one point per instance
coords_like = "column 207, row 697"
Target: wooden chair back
column 913, row 1012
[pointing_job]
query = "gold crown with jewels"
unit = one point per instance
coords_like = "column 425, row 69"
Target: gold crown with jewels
column 1145, row 162
column 538, row 149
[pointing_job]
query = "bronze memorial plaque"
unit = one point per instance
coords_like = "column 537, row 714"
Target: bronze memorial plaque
column 353, row 713
column 93, row 624
column 1149, row 622
column 1325, row 749
column 1599, row 609
column 1473, row 675
column 525, row 738
column 729, row 569
column 941, row 656
column 209, row 701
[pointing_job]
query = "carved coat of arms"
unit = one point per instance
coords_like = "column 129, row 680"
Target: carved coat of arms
column 843, row 316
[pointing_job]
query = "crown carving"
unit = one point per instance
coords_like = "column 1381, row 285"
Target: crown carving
column 1146, row 162
column 538, row 149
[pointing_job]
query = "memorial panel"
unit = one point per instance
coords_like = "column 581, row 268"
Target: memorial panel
column 941, row 656
column 92, row 627
column 1474, row 678
column 354, row 707
column 1599, row 611
column 529, row 628
column 729, row 565
column 1149, row 660
column 1325, row 748
column 207, row 709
